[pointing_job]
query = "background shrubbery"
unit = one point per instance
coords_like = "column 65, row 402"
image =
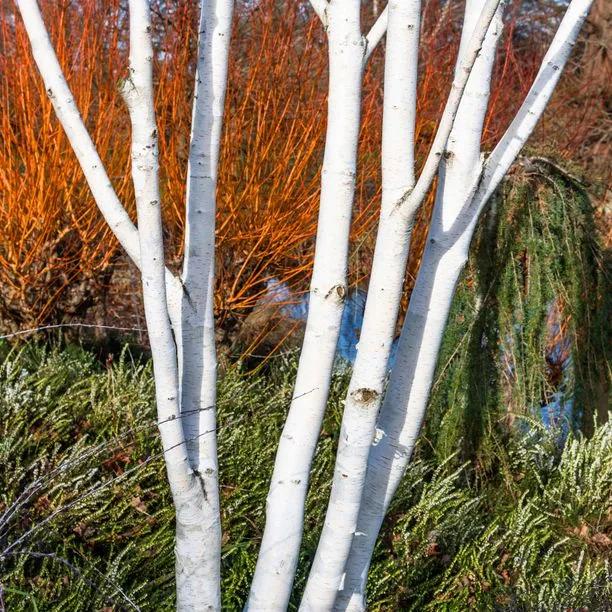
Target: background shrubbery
column 86, row 519
column 529, row 330
column 58, row 261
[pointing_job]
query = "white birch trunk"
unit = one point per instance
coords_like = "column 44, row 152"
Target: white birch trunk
column 401, row 200
column 197, row 352
column 426, row 317
column 370, row 368
column 188, row 490
column 459, row 203
column 278, row 555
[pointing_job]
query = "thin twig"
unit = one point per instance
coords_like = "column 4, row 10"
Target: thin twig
column 32, row 330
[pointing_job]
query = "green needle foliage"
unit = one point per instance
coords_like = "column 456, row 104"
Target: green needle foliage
column 530, row 321
column 496, row 512
column 86, row 521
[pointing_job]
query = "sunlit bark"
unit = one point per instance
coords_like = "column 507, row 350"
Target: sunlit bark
column 188, row 488
column 465, row 186
column 196, row 340
column 401, row 200
column 282, row 537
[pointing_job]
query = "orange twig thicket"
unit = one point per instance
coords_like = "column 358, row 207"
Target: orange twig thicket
column 54, row 243
column 271, row 150
column 56, row 254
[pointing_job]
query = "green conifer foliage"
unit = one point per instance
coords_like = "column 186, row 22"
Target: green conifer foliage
column 527, row 324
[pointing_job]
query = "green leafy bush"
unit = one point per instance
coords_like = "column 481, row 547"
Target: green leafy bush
column 86, row 522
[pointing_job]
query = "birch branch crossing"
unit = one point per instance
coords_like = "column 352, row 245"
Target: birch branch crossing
column 386, row 280
column 445, row 256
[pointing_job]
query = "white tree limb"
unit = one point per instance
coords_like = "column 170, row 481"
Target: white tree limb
column 409, row 203
column 197, row 352
column 444, row 258
column 386, row 281
column 527, row 117
column 188, row 490
column 377, row 31
column 280, row 546
column 320, row 8
column 93, row 168
column 68, row 114
column 382, row 305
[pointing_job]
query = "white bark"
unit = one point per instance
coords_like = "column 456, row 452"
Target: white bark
column 320, row 8
column 93, row 168
column 188, row 489
column 471, row 49
column 197, row 352
column 278, row 556
column 425, row 320
column 376, row 32
column 370, row 368
column 523, row 124
column 463, row 192
column 401, row 199
column 185, row 365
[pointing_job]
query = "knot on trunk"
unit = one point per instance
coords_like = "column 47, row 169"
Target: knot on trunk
column 364, row 395
column 338, row 292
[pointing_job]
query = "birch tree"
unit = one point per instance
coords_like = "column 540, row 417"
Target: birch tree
column 467, row 181
column 348, row 51
column 381, row 419
column 386, row 281
column 178, row 311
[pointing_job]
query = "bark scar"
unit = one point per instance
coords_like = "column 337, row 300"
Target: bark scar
column 186, row 294
column 364, row 44
column 339, row 290
column 364, row 395
column 201, row 481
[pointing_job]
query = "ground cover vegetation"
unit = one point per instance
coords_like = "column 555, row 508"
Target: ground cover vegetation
column 86, row 521
column 497, row 511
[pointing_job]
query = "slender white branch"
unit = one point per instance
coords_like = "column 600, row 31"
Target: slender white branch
column 197, row 352
column 68, row 114
column 377, row 31
column 391, row 253
column 69, row 117
column 188, row 490
column 279, row 551
column 320, row 8
column 523, row 124
column 455, row 215
column 384, row 294
column 409, row 203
